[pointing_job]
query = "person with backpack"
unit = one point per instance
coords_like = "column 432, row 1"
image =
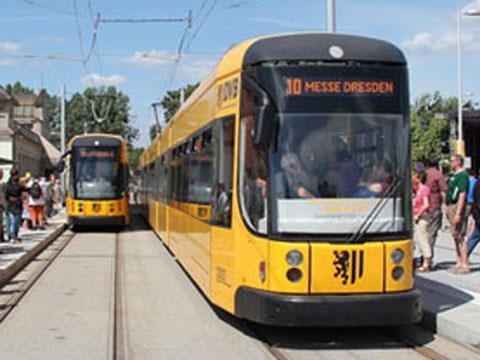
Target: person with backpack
column 13, row 196
column 36, row 202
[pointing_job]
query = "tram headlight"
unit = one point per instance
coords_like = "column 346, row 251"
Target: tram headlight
column 294, row 258
column 397, row 273
column 397, row 256
column 294, row 275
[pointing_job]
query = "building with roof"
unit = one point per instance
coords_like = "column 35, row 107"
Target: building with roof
column 25, row 133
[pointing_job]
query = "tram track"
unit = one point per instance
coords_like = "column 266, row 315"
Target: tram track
column 56, row 247
column 396, row 336
column 120, row 345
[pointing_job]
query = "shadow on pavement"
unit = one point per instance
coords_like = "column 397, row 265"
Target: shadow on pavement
column 296, row 338
column 437, row 298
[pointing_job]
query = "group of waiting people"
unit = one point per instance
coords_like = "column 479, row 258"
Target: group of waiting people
column 25, row 200
column 459, row 197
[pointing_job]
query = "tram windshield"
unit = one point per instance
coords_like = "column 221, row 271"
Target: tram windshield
column 97, row 173
column 330, row 171
column 339, row 156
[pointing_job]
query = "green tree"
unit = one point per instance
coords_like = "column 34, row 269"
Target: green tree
column 154, row 132
column 109, row 105
column 134, row 157
column 171, row 101
column 427, row 122
column 18, row 89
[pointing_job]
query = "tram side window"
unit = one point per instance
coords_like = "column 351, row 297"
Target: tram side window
column 223, row 145
column 253, row 171
column 151, row 181
column 163, row 180
column 199, row 169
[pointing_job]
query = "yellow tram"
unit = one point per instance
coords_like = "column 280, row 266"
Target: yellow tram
column 282, row 184
column 97, row 181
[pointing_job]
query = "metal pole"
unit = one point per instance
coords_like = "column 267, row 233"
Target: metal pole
column 182, row 96
column 62, row 120
column 63, row 136
column 460, row 147
column 331, row 22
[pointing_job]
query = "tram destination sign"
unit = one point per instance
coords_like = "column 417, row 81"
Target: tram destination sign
column 296, row 86
column 96, row 153
column 337, row 89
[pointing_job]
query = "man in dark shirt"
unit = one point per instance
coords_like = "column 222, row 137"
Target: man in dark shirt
column 14, row 205
column 474, row 239
column 438, row 188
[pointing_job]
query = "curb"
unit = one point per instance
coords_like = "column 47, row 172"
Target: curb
column 450, row 313
column 9, row 273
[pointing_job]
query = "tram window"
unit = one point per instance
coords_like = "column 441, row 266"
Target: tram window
column 224, row 145
column 253, row 171
column 199, row 172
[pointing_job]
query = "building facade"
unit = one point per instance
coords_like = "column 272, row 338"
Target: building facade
column 25, row 133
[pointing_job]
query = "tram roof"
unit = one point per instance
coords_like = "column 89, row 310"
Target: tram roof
column 317, row 47
column 96, row 140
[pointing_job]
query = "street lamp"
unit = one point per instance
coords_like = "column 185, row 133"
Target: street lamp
column 460, row 143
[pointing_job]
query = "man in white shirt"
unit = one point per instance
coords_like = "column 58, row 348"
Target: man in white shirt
column 36, row 203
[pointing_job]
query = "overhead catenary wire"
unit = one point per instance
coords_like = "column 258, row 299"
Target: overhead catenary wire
column 79, row 29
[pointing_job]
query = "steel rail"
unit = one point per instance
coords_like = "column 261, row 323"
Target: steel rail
column 120, row 348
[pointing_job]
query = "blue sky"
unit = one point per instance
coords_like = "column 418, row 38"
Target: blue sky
column 40, row 41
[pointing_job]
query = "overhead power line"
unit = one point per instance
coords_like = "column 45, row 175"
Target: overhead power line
column 144, row 20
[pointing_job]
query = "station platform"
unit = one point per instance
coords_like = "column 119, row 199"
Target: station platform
column 16, row 255
column 452, row 302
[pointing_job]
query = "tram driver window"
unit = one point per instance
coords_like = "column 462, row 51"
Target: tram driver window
column 224, row 144
column 253, row 171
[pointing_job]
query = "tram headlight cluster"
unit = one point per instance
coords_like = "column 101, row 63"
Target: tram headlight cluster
column 294, row 258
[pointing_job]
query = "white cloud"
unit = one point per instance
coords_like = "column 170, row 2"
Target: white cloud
column 8, row 62
column 427, row 42
column 474, row 5
column 153, row 58
column 99, row 80
column 9, row 46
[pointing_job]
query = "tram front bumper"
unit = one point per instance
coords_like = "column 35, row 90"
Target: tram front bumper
column 97, row 221
column 328, row 310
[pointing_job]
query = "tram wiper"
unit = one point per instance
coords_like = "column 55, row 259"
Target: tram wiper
column 367, row 223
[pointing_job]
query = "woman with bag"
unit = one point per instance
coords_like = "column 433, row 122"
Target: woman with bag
column 420, row 212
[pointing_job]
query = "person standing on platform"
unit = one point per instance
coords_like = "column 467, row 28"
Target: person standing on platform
column 3, row 205
column 456, row 212
column 36, row 204
column 420, row 212
column 474, row 238
column 14, row 194
column 437, row 184
column 50, row 196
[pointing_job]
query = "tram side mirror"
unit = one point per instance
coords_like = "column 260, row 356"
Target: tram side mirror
column 61, row 162
column 61, row 166
column 264, row 126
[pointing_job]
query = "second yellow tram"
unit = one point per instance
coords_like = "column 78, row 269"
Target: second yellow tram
column 282, row 185
column 97, row 191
